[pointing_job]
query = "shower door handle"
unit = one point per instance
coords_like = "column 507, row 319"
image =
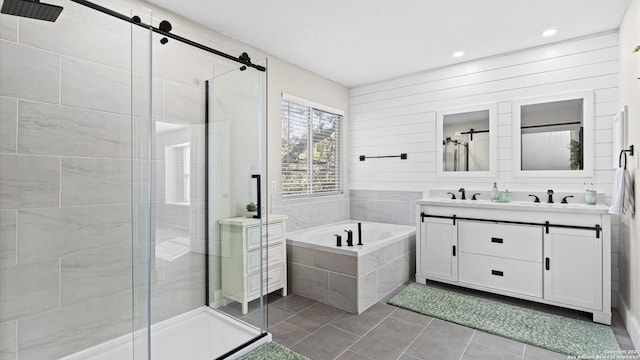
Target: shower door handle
column 259, row 189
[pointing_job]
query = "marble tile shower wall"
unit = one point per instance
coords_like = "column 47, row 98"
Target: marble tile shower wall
column 309, row 212
column 65, row 184
column 395, row 207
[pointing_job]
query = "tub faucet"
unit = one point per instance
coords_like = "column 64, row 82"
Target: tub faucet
column 359, row 233
column 550, row 193
column 462, row 191
column 349, row 237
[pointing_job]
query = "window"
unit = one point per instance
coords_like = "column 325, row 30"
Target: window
column 177, row 176
column 311, row 148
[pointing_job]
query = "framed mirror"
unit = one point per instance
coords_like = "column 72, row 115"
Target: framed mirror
column 466, row 141
column 553, row 135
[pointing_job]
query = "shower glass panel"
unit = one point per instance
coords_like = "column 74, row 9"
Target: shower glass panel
column 66, row 169
column 455, row 155
column 236, row 141
column 103, row 189
column 141, row 186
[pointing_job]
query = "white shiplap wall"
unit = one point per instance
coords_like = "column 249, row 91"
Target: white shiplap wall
column 397, row 116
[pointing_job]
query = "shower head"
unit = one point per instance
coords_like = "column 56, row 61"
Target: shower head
column 33, row 9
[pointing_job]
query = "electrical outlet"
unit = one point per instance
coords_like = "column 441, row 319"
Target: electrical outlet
column 274, row 186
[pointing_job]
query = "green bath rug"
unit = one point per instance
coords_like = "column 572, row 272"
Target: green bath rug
column 273, row 351
column 556, row 333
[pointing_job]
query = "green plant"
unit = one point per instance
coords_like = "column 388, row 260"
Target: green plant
column 574, row 148
column 252, row 206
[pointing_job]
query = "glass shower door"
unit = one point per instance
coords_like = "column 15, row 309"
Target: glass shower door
column 235, row 179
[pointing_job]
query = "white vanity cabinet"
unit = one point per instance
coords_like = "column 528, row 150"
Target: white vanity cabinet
column 573, row 268
column 439, row 256
column 549, row 253
column 501, row 256
column 241, row 240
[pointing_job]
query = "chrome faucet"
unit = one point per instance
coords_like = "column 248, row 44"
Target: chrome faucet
column 462, row 191
column 349, row 237
column 550, row 193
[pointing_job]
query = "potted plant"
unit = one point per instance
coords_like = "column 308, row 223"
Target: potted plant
column 252, row 209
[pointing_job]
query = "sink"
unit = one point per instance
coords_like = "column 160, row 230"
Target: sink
column 514, row 203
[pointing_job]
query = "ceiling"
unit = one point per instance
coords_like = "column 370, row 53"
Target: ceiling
column 356, row 42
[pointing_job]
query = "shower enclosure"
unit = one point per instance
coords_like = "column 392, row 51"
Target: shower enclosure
column 121, row 148
column 455, row 156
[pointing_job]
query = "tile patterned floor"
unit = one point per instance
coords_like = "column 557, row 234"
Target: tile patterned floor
column 384, row 332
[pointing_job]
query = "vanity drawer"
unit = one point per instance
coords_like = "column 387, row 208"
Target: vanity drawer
column 272, row 231
column 273, row 280
column 516, row 276
column 271, row 255
column 508, row 241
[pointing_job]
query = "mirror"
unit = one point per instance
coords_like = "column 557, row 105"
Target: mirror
column 553, row 135
column 467, row 138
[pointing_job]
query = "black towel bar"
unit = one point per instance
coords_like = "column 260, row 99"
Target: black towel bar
column 624, row 152
column 402, row 156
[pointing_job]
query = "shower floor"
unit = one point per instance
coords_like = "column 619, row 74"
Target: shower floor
column 202, row 333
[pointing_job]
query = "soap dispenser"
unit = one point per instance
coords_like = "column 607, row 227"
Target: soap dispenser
column 494, row 192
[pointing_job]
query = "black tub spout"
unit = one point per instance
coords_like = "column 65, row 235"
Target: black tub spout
column 349, row 237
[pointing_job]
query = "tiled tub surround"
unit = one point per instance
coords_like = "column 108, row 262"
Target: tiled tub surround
column 395, row 207
column 307, row 212
column 350, row 278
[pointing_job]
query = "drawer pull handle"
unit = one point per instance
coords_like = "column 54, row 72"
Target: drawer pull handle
column 497, row 273
column 546, row 263
column 496, row 240
column 454, row 250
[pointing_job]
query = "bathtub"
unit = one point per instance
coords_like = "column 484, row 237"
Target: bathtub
column 350, row 278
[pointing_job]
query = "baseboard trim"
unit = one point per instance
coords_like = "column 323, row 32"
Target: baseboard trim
column 630, row 321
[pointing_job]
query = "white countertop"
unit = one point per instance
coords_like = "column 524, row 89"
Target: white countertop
column 575, row 207
column 245, row 221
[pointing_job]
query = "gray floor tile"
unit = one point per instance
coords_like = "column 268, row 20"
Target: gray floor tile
column 327, row 343
column 536, row 353
column 315, row 317
column 294, row 303
column 387, row 340
column 441, row 340
column 498, row 342
column 393, row 293
column 350, row 355
column 481, row 352
column 274, row 316
column 406, row 356
column 287, row 335
column 412, row 317
column 360, row 324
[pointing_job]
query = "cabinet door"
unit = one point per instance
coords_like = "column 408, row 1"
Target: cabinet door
column 573, row 267
column 438, row 253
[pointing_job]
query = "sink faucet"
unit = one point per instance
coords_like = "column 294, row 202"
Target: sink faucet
column 550, row 193
column 462, row 191
column 349, row 237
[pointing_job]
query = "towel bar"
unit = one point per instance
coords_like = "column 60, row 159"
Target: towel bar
column 624, row 152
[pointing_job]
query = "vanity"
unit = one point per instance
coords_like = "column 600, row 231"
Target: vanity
column 557, row 254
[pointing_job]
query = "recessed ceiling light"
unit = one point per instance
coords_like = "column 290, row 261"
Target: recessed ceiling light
column 549, row 32
column 458, row 53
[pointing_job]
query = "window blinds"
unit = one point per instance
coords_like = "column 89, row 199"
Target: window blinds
column 311, row 148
